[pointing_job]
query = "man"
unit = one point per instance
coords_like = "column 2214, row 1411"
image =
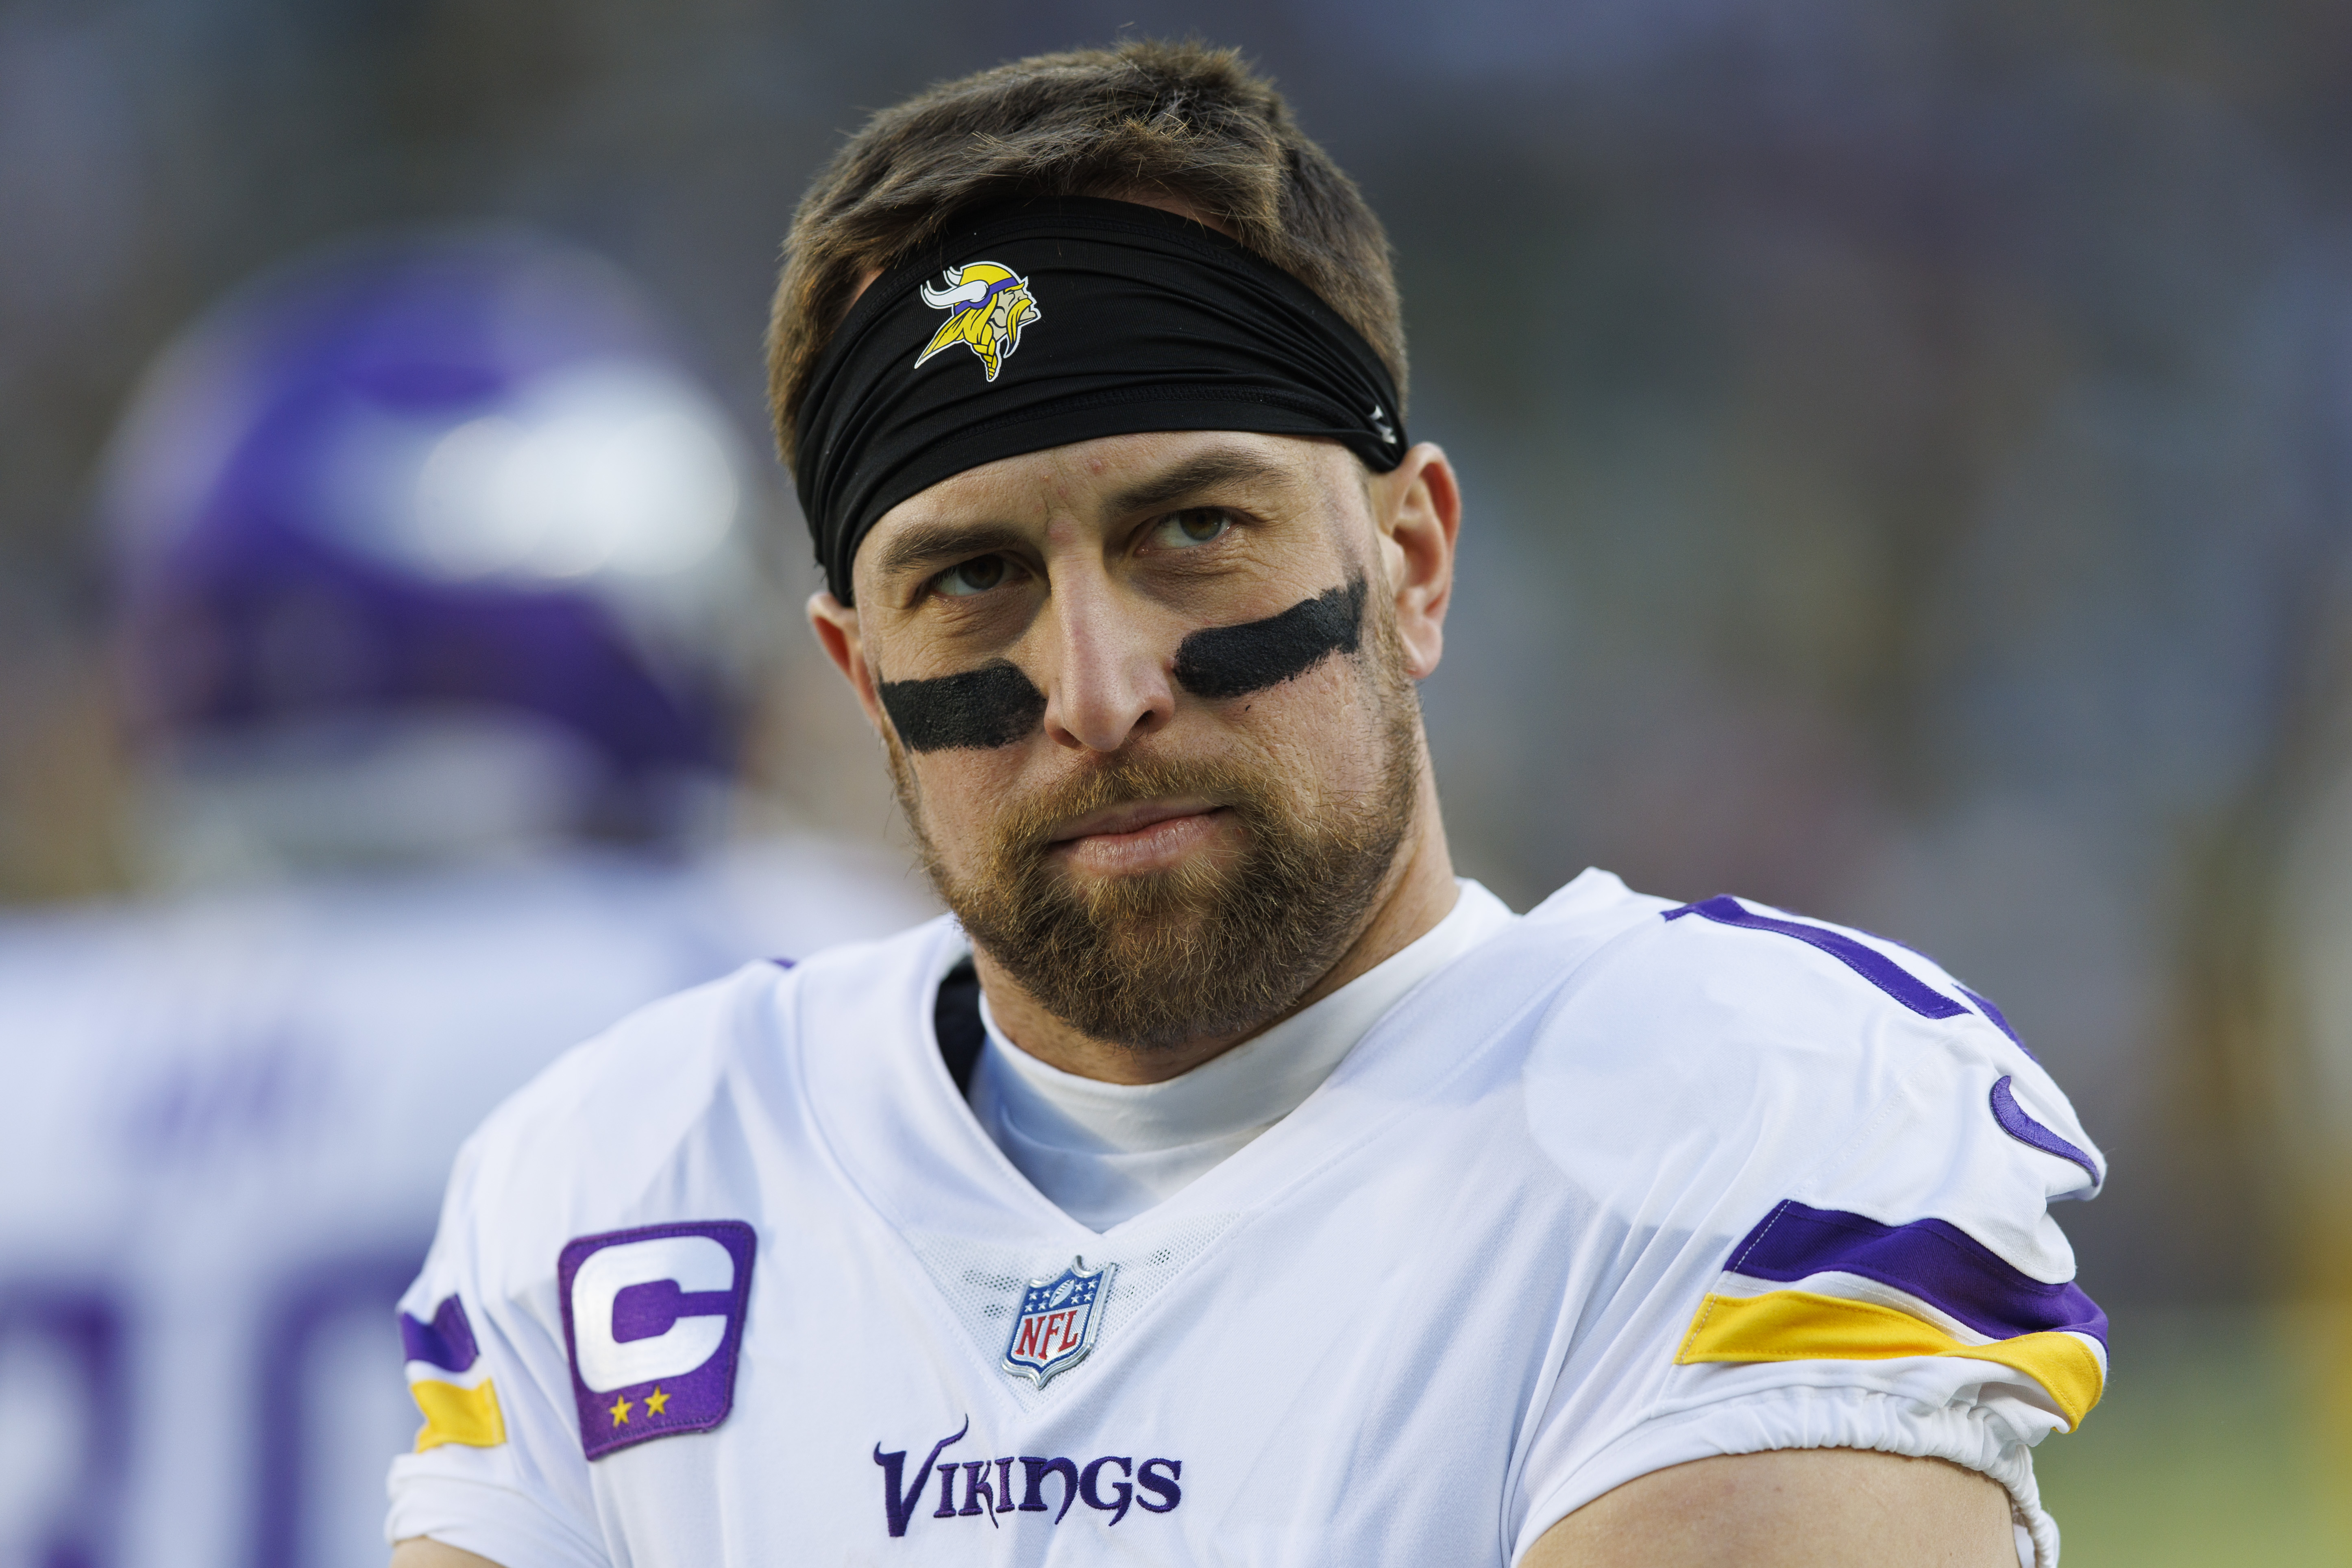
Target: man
column 1227, row 1181
column 427, row 814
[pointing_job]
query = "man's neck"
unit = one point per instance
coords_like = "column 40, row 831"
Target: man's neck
column 1418, row 892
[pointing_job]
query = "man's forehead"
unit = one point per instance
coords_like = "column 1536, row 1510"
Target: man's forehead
column 1112, row 478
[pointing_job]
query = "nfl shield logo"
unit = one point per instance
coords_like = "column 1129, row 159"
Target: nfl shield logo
column 1055, row 1326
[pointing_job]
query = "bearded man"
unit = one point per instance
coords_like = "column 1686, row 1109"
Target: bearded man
column 1226, row 1181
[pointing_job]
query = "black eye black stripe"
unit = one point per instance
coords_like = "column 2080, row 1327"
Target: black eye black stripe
column 996, row 704
column 1234, row 661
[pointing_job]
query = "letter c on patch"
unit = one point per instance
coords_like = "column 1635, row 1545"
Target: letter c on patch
column 693, row 1264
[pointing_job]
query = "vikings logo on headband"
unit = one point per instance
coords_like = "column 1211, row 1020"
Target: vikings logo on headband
column 1160, row 324
column 987, row 305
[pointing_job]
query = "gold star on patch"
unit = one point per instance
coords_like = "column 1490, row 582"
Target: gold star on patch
column 655, row 1401
column 621, row 1411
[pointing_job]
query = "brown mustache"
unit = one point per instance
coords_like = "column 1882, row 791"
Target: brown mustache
column 1027, row 828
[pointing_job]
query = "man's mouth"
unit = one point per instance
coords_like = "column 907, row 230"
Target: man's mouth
column 1137, row 835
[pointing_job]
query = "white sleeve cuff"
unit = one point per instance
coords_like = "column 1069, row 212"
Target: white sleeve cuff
column 1802, row 1417
column 488, row 1519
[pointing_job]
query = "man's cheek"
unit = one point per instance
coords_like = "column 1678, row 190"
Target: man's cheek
column 960, row 792
column 1317, row 731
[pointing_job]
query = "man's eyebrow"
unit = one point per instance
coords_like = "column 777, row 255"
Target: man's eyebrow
column 922, row 545
column 1226, row 466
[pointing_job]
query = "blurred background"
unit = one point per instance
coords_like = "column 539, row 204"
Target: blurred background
column 1909, row 453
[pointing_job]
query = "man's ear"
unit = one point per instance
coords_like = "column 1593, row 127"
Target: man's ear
column 838, row 632
column 1418, row 507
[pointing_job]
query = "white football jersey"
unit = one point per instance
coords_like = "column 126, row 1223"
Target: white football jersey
column 231, row 1120
column 743, row 1282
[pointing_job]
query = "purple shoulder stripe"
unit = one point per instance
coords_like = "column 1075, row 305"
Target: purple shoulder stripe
column 1867, row 961
column 448, row 1341
column 2025, row 1129
column 1937, row 1262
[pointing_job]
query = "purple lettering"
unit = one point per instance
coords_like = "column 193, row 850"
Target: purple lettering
column 1032, row 1499
column 947, row 1493
column 900, row 1505
column 975, row 1488
column 1154, row 1487
column 1093, row 1499
column 1159, row 1486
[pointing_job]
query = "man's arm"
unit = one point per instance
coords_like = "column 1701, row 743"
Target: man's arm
column 424, row 1552
column 1810, row 1508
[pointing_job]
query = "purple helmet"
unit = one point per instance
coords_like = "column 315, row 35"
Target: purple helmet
column 453, row 479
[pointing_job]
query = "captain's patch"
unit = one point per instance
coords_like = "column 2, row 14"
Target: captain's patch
column 653, row 1319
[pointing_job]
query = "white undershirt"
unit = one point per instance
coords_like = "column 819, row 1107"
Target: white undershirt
column 1103, row 1153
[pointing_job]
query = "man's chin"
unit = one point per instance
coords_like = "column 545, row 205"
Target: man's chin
column 1163, row 937
column 1154, row 911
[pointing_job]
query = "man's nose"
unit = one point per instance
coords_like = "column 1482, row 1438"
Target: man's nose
column 1109, row 684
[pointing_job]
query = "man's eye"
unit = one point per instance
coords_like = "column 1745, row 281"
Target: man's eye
column 1201, row 525
column 977, row 575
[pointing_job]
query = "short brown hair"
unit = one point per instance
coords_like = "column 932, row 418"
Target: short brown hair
column 1182, row 119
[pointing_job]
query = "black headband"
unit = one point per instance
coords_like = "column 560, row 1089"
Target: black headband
column 1063, row 321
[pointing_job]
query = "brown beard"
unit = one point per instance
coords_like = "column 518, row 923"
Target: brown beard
column 1155, row 961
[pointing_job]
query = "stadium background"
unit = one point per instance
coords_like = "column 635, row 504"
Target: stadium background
column 1909, row 460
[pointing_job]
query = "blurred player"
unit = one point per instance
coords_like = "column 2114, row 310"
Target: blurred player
column 431, row 567
column 1227, row 1181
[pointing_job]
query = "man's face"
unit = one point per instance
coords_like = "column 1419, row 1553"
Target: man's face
column 1150, row 717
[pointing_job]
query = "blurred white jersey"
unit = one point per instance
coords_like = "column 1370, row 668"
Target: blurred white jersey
column 229, row 1122
column 744, row 1282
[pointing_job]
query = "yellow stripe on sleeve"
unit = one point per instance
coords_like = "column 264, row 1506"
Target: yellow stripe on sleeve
column 454, row 1414
column 1798, row 1325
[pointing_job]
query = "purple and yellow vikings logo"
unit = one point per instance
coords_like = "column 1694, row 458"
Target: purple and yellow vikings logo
column 987, row 306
